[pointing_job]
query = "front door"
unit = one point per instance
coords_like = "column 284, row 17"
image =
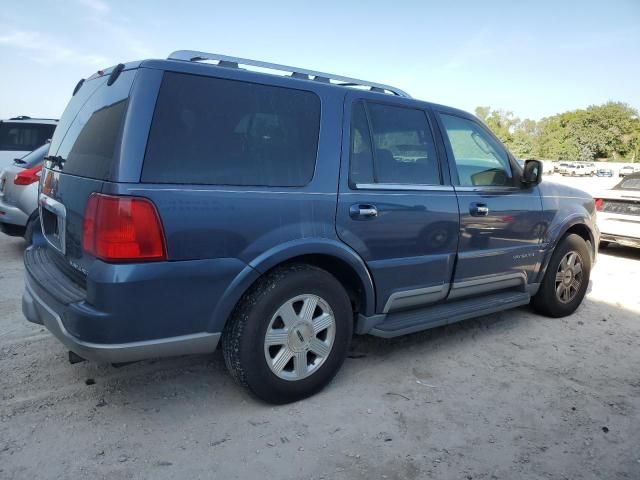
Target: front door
column 501, row 221
column 394, row 207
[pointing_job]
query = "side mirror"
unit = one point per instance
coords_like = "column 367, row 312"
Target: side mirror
column 532, row 172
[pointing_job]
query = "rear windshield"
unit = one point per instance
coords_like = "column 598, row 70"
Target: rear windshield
column 89, row 134
column 24, row 137
column 226, row 132
column 34, row 158
column 629, row 183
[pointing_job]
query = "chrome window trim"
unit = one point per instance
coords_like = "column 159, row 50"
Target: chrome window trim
column 403, row 186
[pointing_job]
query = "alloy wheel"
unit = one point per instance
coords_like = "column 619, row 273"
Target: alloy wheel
column 299, row 337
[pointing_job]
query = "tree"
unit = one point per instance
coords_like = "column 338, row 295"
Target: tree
column 608, row 131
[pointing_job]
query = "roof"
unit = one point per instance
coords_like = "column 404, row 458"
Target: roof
column 27, row 119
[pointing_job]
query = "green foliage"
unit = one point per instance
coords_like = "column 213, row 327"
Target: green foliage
column 608, row 131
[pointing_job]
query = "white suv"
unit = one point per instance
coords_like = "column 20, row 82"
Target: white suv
column 21, row 135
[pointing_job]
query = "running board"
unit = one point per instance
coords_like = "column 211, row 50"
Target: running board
column 410, row 321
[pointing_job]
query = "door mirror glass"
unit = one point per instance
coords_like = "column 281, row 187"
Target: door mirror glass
column 532, row 172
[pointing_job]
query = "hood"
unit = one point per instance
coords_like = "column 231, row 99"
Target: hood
column 553, row 189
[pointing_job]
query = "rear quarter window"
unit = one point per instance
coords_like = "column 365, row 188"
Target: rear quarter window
column 227, row 132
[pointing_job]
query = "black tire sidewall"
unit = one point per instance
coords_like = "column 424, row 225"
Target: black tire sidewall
column 547, row 300
column 259, row 377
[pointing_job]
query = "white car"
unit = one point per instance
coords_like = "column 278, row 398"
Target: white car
column 21, row 135
column 619, row 213
column 591, row 169
column 626, row 170
column 577, row 170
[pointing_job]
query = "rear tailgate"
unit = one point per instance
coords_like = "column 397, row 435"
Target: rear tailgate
column 85, row 150
column 619, row 213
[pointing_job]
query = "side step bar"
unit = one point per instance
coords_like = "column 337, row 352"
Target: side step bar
column 410, row 321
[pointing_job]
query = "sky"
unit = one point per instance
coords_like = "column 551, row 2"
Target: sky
column 534, row 58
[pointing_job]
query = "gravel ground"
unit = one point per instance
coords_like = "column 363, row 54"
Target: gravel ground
column 507, row 396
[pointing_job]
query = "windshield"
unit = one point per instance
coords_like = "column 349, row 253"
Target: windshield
column 21, row 137
column 34, row 158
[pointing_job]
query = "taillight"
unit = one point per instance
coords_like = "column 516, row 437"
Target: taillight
column 598, row 202
column 28, row 176
column 123, row 229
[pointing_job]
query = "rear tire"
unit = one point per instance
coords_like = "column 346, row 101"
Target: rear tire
column 604, row 244
column 289, row 335
column 566, row 280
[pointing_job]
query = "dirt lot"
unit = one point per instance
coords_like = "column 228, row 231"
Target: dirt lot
column 508, row 396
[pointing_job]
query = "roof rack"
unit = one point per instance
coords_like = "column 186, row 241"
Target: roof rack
column 235, row 62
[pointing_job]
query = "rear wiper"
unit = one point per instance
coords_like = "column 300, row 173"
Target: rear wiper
column 19, row 161
column 55, row 160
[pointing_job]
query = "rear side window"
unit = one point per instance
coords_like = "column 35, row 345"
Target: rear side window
column 15, row 136
column 226, row 132
column 391, row 145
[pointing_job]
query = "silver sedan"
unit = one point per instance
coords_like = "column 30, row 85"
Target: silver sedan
column 19, row 194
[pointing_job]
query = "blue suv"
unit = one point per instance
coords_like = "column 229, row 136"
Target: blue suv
column 205, row 199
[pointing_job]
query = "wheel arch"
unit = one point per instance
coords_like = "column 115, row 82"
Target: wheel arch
column 330, row 255
column 577, row 225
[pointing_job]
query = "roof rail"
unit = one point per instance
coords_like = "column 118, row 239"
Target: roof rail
column 27, row 117
column 234, row 62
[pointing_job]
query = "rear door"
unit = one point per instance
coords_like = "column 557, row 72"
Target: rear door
column 501, row 221
column 86, row 146
column 395, row 206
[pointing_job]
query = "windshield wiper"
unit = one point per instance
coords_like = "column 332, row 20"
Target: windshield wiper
column 55, row 160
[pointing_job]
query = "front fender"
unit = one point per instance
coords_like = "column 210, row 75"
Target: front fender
column 283, row 253
column 565, row 208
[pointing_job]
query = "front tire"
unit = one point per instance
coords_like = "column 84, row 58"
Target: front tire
column 566, row 280
column 290, row 334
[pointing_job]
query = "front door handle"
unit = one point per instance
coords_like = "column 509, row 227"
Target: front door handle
column 478, row 210
column 363, row 211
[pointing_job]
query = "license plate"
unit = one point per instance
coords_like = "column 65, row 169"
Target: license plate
column 53, row 219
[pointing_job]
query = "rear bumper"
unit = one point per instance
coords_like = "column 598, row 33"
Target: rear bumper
column 38, row 311
column 621, row 240
column 129, row 312
column 12, row 214
column 621, row 229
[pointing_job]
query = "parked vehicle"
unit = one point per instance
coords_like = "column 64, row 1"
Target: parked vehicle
column 19, row 195
column 626, row 170
column 548, row 167
column 577, row 170
column 562, row 168
column 185, row 204
column 590, row 169
column 604, row 172
column 21, row 135
column 619, row 213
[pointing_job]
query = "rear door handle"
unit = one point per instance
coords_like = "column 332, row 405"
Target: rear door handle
column 363, row 211
column 478, row 210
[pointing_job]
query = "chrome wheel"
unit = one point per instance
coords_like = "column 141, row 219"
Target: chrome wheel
column 299, row 337
column 569, row 277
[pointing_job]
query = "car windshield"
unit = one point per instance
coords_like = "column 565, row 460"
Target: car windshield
column 21, row 136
